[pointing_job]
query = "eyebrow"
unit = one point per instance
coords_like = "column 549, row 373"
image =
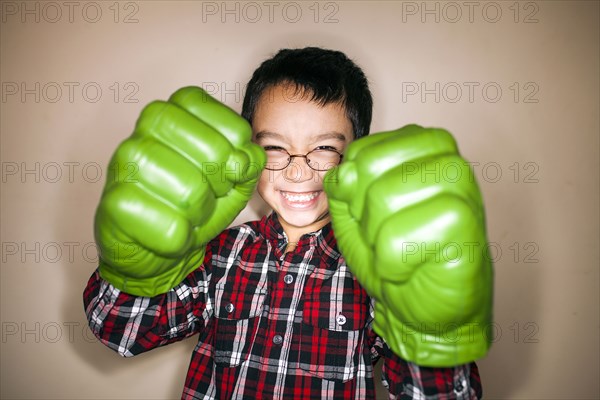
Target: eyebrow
column 268, row 134
column 323, row 136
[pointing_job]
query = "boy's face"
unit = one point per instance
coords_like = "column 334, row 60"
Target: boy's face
column 284, row 121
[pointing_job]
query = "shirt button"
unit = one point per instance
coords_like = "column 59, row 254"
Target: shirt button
column 277, row 339
column 229, row 308
column 459, row 387
column 288, row 279
column 341, row 320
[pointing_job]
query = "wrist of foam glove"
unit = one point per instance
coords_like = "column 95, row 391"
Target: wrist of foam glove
column 149, row 286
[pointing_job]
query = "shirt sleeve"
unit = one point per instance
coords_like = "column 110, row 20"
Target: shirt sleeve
column 131, row 325
column 406, row 380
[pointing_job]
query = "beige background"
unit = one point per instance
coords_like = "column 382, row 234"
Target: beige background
column 537, row 150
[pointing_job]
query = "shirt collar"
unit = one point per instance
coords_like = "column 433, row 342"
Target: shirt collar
column 323, row 239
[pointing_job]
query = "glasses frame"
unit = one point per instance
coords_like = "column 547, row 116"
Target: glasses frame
column 305, row 156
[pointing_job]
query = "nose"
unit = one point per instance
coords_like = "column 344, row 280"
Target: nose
column 298, row 171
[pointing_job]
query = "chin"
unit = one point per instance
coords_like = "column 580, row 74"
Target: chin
column 301, row 219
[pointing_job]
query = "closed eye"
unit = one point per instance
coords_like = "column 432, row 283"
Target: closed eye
column 329, row 148
column 273, row 148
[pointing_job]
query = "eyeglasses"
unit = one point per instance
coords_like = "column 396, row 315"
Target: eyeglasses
column 319, row 159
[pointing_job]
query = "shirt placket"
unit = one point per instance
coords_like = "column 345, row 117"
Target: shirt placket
column 287, row 284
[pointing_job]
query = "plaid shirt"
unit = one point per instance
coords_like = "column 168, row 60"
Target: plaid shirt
column 271, row 324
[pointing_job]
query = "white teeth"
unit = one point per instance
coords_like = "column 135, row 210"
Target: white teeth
column 300, row 197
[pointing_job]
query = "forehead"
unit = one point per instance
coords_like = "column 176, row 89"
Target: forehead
column 286, row 114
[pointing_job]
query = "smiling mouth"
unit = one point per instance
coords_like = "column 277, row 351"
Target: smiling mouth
column 295, row 197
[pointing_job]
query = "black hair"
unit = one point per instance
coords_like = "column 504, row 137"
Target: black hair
column 327, row 76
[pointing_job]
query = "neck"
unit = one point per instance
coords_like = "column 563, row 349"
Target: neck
column 294, row 233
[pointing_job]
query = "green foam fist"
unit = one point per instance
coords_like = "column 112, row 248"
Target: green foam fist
column 180, row 179
column 409, row 220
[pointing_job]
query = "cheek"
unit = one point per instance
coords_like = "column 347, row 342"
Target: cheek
column 325, row 200
column 318, row 178
column 266, row 182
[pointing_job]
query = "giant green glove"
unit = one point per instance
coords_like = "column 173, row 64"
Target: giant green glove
column 182, row 177
column 408, row 217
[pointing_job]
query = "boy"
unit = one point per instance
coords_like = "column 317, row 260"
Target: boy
column 278, row 313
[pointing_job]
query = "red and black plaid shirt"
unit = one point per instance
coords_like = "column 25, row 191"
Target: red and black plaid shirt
column 271, row 324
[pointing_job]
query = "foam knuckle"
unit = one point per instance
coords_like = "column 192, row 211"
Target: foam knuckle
column 151, row 115
column 146, row 219
column 214, row 113
column 198, row 203
column 346, row 181
column 236, row 167
column 257, row 162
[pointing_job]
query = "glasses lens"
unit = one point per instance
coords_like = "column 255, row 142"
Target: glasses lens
column 277, row 159
column 322, row 160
